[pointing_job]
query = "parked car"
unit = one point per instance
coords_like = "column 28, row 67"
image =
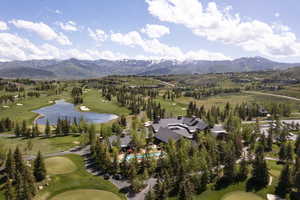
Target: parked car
column 118, row 177
column 106, row 176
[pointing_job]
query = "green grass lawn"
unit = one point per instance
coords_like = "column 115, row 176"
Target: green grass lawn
column 86, row 194
column 79, row 179
column 94, row 101
column 238, row 195
column 20, row 113
column 59, row 165
column 45, row 145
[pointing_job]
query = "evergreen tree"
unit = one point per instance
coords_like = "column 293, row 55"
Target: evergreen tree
column 29, row 183
column 150, row 195
column 282, row 152
column 24, row 128
column 47, row 129
column 243, row 170
column 260, row 172
column 8, row 193
column 39, row 170
column 17, row 130
column 284, row 183
column 10, row 165
column 297, row 181
column 18, row 160
column 19, row 189
column 186, row 190
column 289, row 153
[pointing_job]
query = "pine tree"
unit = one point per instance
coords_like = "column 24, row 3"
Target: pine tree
column 24, row 128
column 284, row 183
column 18, row 160
column 243, row 170
column 9, row 194
column 297, row 181
column 29, row 182
column 289, row 153
column 204, row 180
column 10, row 165
column 17, row 130
column 282, row 152
column 39, row 170
column 47, row 129
column 185, row 190
column 19, row 189
column 150, row 195
column 229, row 168
column 260, row 172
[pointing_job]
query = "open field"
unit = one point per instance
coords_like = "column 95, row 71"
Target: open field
column 24, row 112
column 86, row 194
column 239, row 195
column 45, row 145
column 59, row 165
column 97, row 103
column 79, row 179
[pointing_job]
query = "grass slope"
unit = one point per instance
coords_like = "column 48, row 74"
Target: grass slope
column 95, row 102
column 86, row 194
column 59, row 165
column 238, row 195
column 79, row 179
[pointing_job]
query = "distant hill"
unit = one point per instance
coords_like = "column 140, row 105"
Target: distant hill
column 79, row 69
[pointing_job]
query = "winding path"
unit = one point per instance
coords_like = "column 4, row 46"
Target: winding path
column 274, row 95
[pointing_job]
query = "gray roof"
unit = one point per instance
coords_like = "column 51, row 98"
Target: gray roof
column 190, row 124
column 217, row 129
column 165, row 134
column 124, row 141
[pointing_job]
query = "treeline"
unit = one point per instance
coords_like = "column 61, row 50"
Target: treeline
column 172, row 94
column 6, row 125
column 207, row 92
column 21, row 178
column 76, row 94
column 136, row 100
column 245, row 111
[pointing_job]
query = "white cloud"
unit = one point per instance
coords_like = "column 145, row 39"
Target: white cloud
column 277, row 14
column 219, row 25
column 3, row 26
column 154, row 46
column 43, row 30
column 98, row 35
column 155, row 31
column 58, row 12
column 68, row 26
column 13, row 47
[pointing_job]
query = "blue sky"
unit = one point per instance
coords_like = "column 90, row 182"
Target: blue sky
column 149, row 29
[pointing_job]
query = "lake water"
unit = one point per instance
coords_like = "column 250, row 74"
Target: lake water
column 63, row 110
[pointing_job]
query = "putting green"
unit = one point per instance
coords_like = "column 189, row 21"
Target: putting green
column 86, row 194
column 240, row 195
column 59, row 165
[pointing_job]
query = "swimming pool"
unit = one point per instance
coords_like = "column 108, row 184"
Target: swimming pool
column 156, row 154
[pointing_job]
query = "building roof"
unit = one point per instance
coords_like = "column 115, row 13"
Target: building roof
column 217, row 129
column 165, row 134
column 124, row 141
column 190, row 124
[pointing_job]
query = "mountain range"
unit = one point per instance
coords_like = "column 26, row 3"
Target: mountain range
column 80, row 69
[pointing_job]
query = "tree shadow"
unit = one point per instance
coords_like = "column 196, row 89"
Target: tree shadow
column 223, row 182
column 295, row 195
column 252, row 185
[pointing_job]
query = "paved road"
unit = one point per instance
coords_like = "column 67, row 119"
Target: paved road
column 274, row 95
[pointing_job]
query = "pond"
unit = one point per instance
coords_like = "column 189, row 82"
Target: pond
column 63, row 110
